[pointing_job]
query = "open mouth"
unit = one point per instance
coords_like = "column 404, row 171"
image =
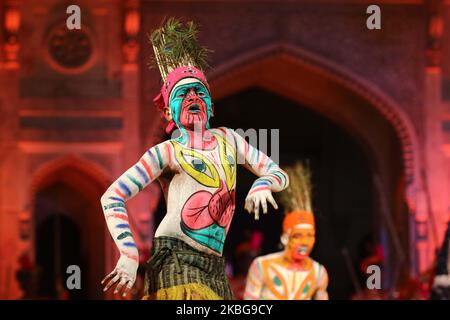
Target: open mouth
column 194, row 108
column 302, row 250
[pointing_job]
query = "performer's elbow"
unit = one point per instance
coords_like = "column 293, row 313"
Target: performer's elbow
column 287, row 180
column 104, row 198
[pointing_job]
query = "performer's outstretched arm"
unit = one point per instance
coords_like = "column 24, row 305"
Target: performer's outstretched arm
column 271, row 177
column 130, row 183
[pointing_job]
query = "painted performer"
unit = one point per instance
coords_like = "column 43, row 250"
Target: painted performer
column 291, row 274
column 197, row 173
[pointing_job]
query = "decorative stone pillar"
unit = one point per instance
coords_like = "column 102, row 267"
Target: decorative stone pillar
column 11, row 243
column 132, row 23
column 11, row 25
column 434, row 214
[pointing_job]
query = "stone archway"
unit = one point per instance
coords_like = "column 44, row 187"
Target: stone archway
column 68, row 190
column 369, row 115
column 44, row 175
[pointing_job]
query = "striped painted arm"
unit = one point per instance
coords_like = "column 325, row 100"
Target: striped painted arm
column 130, row 183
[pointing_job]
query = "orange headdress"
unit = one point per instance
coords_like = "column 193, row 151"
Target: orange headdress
column 298, row 218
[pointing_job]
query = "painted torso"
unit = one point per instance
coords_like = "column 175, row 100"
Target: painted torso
column 272, row 279
column 199, row 187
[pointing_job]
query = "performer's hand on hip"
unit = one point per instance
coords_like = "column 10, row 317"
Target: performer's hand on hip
column 124, row 274
column 259, row 198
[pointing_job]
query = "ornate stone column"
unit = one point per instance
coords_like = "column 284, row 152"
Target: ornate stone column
column 13, row 235
column 431, row 219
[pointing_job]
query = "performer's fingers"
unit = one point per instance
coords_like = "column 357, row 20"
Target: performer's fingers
column 111, row 282
column 127, row 288
column 122, row 282
column 256, row 209
column 108, row 276
column 246, row 205
column 272, row 201
column 250, row 204
column 264, row 205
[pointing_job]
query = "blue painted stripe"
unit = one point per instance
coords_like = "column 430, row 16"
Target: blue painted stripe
column 142, row 173
column 117, row 199
column 260, row 183
column 265, row 179
column 125, row 188
column 119, row 210
column 123, row 226
column 129, row 244
column 152, row 157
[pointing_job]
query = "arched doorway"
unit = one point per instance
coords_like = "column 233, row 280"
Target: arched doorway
column 343, row 203
column 58, row 245
column 69, row 228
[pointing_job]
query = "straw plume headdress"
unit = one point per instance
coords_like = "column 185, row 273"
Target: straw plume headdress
column 297, row 198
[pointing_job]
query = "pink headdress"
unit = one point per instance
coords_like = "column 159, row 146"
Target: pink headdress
column 162, row 99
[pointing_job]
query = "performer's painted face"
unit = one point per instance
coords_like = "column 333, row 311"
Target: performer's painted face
column 190, row 103
column 300, row 243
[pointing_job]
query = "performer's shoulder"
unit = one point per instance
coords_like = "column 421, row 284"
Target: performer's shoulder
column 223, row 131
column 226, row 133
column 161, row 147
column 319, row 268
column 270, row 256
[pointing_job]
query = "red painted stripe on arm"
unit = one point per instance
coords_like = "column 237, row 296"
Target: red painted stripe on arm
column 119, row 193
column 168, row 152
column 147, row 168
column 123, row 217
column 275, row 177
column 130, row 256
column 263, row 162
column 223, row 130
column 258, row 189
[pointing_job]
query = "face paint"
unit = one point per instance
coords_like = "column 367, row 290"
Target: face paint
column 190, row 103
column 300, row 243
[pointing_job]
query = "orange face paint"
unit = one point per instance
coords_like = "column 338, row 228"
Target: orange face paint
column 299, row 233
column 300, row 243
